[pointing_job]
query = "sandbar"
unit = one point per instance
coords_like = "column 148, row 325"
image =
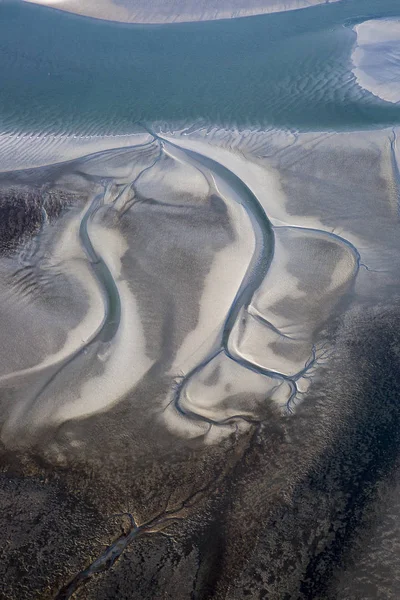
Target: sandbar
column 175, row 11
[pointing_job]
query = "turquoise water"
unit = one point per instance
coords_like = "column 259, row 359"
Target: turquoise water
column 64, row 73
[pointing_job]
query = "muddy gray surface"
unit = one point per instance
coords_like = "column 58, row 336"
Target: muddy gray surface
column 307, row 491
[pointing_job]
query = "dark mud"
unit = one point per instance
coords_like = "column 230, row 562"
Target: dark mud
column 24, row 210
column 280, row 519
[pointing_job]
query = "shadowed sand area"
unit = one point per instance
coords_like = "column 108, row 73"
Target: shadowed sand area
column 173, row 11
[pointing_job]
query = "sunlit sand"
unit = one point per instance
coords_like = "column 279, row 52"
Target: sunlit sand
column 158, row 11
column 376, row 58
column 229, row 279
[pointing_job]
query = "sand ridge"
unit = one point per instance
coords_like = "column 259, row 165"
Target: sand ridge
column 174, row 11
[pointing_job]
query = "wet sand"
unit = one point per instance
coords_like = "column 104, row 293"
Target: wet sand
column 265, row 317
column 376, row 58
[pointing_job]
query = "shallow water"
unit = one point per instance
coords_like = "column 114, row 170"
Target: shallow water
column 74, row 74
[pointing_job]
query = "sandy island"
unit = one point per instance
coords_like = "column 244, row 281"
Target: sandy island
column 174, row 11
column 376, row 58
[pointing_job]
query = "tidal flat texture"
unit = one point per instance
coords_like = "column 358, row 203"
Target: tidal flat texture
column 199, row 302
column 189, row 323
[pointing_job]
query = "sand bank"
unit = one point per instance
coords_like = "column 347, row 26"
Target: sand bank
column 68, row 258
column 376, row 58
column 194, row 281
column 223, row 389
column 174, row 11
